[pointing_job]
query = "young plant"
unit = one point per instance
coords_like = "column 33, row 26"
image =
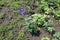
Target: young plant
column 57, row 14
column 33, row 28
column 38, row 18
column 49, row 27
column 51, row 30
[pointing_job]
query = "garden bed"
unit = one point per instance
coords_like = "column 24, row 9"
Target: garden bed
column 39, row 20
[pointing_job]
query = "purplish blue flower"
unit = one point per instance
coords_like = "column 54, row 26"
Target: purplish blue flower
column 23, row 11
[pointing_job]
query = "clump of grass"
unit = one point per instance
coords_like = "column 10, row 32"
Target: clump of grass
column 21, row 36
column 16, row 5
column 5, row 33
column 9, row 35
column 7, row 30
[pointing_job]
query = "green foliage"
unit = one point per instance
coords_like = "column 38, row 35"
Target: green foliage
column 35, row 20
column 49, row 26
column 15, row 23
column 38, row 18
column 19, row 17
column 19, row 25
column 48, row 5
column 57, row 14
column 30, row 4
column 16, row 5
column 7, row 32
column 45, row 38
column 57, row 2
column 2, row 29
column 9, row 35
column 33, row 27
column 6, row 36
column 51, row 30
column 43, row 5
column 2, row 2
column 12, row 21
column 57, row 35
column 16, row 12
column 21, row 36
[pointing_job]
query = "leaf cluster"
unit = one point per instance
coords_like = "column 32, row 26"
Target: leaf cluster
column 33, row 28
column 57, row 35
column 49, row 26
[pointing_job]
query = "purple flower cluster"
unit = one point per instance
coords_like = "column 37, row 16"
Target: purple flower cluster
column 23, row 11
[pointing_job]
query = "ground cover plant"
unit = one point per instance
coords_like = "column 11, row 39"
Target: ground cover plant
column 29, row 19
